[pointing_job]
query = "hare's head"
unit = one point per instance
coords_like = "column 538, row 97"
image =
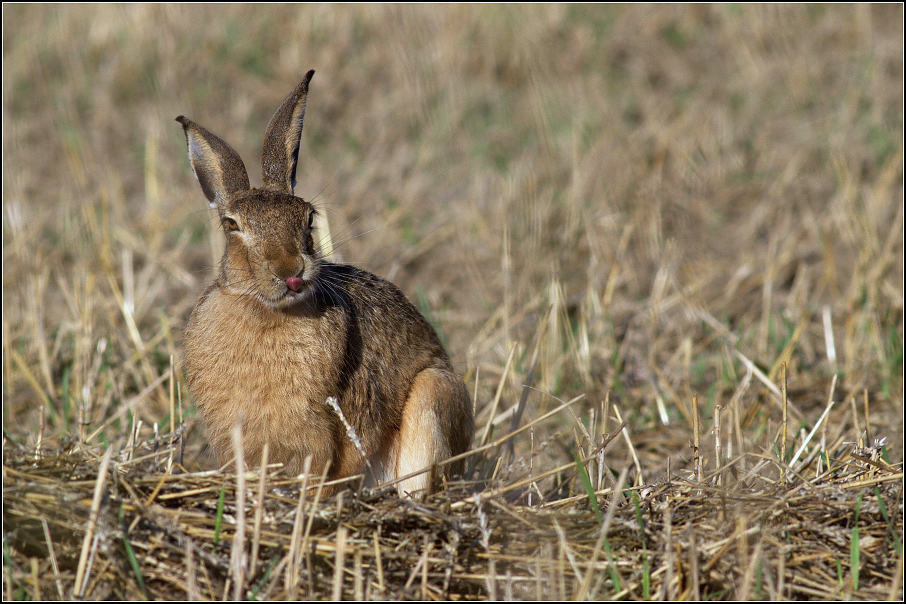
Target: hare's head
column 270, row 251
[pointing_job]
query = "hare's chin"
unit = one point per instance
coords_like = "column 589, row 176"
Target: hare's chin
column 289, row 298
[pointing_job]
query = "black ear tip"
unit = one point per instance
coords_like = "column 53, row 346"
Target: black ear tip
column 308, row 76
column 183, row 120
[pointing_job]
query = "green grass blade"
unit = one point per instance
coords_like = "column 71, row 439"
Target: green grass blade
column 854, row 557
column 638, row 517
column 589, row 490
column 133, row 560
column 646, row 576
column 218, row 521
column 67, row 421
column 614, row 577
column 854, row 547
column 264, row 579
column 894, row 537
column 646, row 565
column 8, row 563
column 758, row 589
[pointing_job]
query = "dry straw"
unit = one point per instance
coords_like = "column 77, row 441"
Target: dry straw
column 609, row 212
column 780, row 537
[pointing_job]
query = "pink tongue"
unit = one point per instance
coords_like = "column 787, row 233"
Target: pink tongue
column 294, row 283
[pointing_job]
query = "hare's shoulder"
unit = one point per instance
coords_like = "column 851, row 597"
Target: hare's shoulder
column 366, row 294
column 385, row 317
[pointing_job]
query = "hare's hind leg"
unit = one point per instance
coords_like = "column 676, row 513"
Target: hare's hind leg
column 437, row 423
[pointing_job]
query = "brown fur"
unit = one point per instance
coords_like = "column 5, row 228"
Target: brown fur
column 267, row 357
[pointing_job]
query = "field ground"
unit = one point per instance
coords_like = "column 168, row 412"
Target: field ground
column 638, row 217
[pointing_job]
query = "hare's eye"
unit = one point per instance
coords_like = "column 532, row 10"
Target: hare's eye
column 230, row 224
column 311, row 218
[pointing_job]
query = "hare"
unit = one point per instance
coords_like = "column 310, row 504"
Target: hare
column 281, row 330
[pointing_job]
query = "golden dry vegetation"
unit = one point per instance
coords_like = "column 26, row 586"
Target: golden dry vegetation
column 683, row 220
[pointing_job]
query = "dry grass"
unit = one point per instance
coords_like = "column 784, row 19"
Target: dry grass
column 684, row 220
column 675, row 539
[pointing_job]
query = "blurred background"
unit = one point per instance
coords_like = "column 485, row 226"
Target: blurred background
column 638, row 199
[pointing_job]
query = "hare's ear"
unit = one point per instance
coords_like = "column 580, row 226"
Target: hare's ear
column 281, row 140
column 218, row 168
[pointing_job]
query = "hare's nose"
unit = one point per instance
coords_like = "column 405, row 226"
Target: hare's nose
column 294, row 283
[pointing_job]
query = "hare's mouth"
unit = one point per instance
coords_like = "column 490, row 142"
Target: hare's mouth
column 291, row 293
column 301, row 291
column 292, row 290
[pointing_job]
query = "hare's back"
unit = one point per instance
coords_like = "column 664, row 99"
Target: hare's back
column 385, row 323
column 387, row 344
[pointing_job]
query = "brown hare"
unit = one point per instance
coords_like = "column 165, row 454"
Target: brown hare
column 281, row 330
